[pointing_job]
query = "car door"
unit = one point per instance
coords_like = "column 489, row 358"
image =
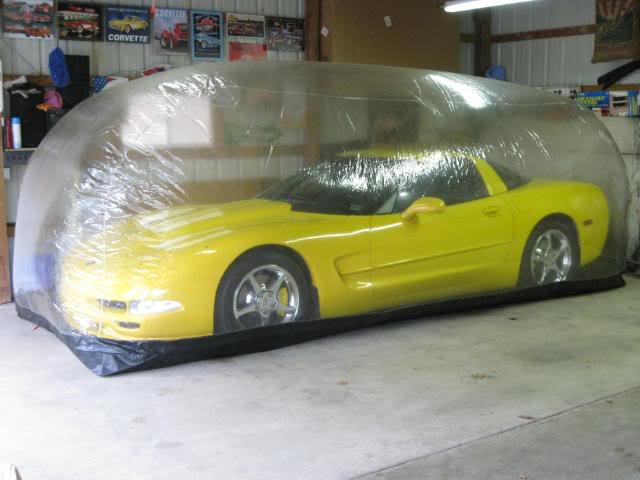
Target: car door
column 459, row 251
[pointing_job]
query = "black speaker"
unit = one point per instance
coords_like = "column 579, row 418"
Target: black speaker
column 22, row 103
column 53, row 116
column 80, row 86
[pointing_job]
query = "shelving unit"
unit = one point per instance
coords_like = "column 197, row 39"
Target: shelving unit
column 17, row 156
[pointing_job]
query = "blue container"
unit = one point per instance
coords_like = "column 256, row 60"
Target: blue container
column 16, row 132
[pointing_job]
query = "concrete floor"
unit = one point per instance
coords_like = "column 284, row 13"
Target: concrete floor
column 546, row 390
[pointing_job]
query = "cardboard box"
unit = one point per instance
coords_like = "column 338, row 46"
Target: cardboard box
column 624, row 104
column 599, row 99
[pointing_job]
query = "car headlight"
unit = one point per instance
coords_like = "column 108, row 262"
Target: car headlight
column 150, row 307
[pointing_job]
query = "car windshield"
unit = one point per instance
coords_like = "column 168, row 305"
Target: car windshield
column 343, row 186
column 368, row 185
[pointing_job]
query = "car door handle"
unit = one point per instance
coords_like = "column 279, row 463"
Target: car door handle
column 492, row 211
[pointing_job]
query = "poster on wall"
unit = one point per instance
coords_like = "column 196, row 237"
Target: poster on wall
column 285, row 34
column 28, row 19
column 127, row 24
column 206, row 36
column 617, row 35
column 170, row 31
column 247, row 51
column 79, row 21
column 245, row 27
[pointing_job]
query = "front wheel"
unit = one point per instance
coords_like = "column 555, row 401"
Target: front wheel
column 261, row 288
column 551, row 255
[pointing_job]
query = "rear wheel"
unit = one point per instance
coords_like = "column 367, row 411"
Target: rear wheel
column 127, row 29
column 551, row 255
column 261, row 288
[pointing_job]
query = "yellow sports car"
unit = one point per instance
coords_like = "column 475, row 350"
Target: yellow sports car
column 359, row 233
column 128, row 24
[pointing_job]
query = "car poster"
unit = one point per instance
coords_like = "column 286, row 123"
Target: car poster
column 247, row 51
column 171, row 31
column 245, row 27
column 285, row 34
column 28, row 19
column 79, row 21
column 206, row 36
column 127, row 24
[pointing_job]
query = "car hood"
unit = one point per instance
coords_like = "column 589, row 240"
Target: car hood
column 194, row 219
column 145, row 237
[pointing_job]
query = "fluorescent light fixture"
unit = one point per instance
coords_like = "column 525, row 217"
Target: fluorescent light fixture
column 464, row 5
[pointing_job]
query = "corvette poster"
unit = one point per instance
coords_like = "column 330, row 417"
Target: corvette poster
column 171, row 31
column 241, row 27
column 285, row 34
column 247, row 51
column 79, row 21
column 31, row 19
column 127, row 24
column 206, row 36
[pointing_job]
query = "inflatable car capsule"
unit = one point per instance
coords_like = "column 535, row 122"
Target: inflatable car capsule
column 225, row 208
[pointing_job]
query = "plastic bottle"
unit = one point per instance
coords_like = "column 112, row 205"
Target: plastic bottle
column 16, row 132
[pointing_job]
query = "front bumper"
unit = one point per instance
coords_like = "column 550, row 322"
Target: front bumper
column 100, row 304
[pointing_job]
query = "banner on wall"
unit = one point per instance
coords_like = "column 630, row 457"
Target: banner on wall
column 247, row 51
column 126, row 24
column 28, row 19
column 245, row 27
column 206, row 36
column 170, row 31
column 617, row 34
column 79, row 21
column 285, row 34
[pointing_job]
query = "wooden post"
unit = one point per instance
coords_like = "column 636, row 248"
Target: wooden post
column 312, row 30
column 482, row 20
column 5, row 287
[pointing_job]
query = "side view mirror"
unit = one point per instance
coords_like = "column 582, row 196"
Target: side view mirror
column 424, row 205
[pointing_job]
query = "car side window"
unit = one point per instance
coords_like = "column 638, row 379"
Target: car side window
column 453, row 179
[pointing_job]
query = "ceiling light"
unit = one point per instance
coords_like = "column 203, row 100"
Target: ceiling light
column 463, row 5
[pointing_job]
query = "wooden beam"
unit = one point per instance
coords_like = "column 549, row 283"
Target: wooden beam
column 542, row 34
column 327, row 21
column 41, row 81
column 613, row 88
column 5, row 288
column 312, row 30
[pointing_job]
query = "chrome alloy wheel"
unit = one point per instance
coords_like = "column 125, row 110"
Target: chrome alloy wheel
column 266, row 295
column 551, row 258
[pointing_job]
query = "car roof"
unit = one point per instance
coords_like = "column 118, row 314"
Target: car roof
column 492, row 180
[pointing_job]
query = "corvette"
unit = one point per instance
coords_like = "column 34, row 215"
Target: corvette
column 174, row 38
column 362, row 232
column 128, row 24
column 205, row 41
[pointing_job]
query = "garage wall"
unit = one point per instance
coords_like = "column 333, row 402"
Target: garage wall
column 549, row 62
column 32, row 56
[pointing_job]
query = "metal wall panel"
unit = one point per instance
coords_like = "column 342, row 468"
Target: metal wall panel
column 32, row 56
column 549, row 62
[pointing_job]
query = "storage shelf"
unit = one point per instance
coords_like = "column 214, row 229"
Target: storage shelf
column 17, row 156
